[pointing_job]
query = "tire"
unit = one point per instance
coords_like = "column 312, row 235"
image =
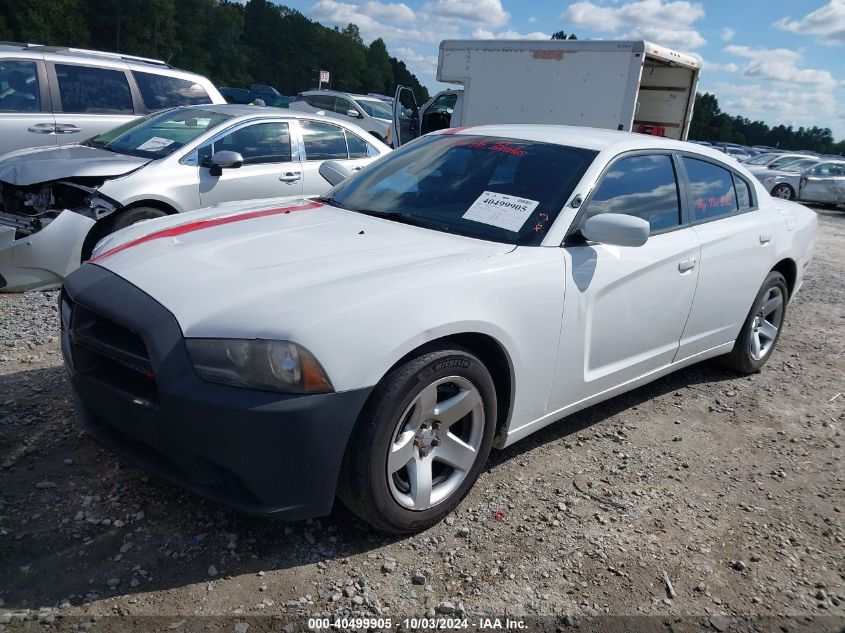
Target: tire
column 783, row 191
column 135, row 215
column 760, row 332
column 400, row 420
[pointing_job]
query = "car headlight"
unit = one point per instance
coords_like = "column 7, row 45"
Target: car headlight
column 259, row 364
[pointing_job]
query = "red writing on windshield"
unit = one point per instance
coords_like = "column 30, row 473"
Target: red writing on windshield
column 499, row 146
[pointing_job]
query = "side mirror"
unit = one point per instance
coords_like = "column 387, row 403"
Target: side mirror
column 352, row 113
column 616, row 229
column 225, row 159
column 334, row 172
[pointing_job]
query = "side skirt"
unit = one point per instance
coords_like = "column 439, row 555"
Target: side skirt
column 515, row 435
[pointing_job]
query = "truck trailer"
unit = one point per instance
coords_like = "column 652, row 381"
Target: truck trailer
column 635, row 86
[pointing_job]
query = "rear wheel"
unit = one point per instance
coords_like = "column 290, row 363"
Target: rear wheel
column 761, row 330
column 422, row 442
column 783, row 191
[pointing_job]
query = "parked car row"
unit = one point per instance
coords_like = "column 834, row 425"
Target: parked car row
column 804, row 176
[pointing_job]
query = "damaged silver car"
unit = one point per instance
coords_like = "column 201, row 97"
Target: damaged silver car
column 57, row 203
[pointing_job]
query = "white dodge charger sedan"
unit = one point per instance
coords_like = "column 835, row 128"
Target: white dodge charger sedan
column 458, row 294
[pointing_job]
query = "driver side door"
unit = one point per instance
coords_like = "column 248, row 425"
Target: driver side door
column 625, row 307
column 269, row 169
column 406, row 116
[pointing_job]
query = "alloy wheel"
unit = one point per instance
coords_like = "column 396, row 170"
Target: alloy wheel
column 767, row 322
column 435, row 443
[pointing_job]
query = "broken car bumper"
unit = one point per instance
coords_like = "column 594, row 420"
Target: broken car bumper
column 40, row 261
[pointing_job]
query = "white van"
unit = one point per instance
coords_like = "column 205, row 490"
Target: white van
column 635, row 86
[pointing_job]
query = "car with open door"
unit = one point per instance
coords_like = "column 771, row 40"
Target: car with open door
column 459, row 294
column 367, row 112
column 57, row 203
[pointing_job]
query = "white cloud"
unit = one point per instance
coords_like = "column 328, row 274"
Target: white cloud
column 482, row 34
column 665, row 22
column 728, row 68
column 423, row 64
column 390, row 12
column 487, row 12
column 827, row 21
column 780, row 64
column 374, row 20
column 797, row 107
column 727, row 34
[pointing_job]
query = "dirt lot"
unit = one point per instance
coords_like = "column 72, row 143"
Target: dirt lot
column 732, row 486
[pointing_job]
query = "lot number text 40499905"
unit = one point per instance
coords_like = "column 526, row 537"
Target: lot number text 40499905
column 415, row 624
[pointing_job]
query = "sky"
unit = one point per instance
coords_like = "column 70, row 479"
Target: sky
column 781, row 61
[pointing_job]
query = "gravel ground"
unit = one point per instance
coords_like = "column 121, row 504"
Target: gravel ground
column 703, row 499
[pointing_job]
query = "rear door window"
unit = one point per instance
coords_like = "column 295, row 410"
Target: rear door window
column 642, row 186
column 19, row 90
column 160, row 91
column 88, row 89
column 323, row 141
column 358, row 147
column 712, row 190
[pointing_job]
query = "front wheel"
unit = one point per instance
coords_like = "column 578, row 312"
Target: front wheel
column 761, row 330
column 422, row 442
column 135, row 215
column 783, row 191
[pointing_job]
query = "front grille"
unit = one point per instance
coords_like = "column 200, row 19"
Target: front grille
column 108, row 352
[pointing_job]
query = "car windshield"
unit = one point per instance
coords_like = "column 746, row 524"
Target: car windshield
column 159, row 135
column 497, row 189
column 762, row 159
column 799, row 165
column 375, row 108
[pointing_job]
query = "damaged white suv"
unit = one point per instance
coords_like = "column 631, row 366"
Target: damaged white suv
column 57, row 203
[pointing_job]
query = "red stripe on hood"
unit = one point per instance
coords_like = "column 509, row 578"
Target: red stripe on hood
column 190, row 227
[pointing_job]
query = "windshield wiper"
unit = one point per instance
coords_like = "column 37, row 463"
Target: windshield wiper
column 330, row 200
column 407, row 218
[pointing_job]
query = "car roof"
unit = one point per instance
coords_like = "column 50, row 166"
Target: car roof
column 340, row 92
column 597, row 139
column 245, row 110
column 82, row 53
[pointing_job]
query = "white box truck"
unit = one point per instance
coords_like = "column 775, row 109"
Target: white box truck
column 634, row 86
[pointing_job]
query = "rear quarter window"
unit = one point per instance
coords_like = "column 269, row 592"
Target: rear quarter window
column 160, row 91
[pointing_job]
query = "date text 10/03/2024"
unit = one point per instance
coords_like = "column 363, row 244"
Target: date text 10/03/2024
column 416, row 624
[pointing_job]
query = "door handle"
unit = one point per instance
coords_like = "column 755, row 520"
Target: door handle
column 765, row 238
column 686, row 265
column 291, row 176
column 42, row 128
column 67, row 128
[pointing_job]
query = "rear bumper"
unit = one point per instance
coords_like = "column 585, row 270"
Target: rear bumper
column 40, row 261
column 257, row 452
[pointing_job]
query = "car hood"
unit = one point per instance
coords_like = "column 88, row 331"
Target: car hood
column 251, row 267
column 31, row 166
